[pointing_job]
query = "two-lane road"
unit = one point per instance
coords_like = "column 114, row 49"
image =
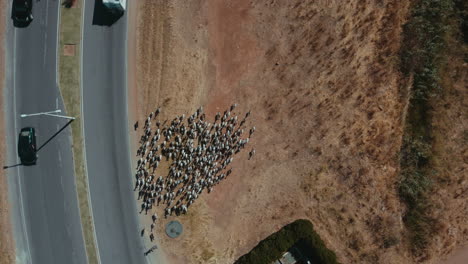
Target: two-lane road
column 45, row 212
column 106, row 141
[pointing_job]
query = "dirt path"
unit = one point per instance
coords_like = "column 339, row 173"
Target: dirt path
column 136, row 107
column 7, row 252
column 460, row 256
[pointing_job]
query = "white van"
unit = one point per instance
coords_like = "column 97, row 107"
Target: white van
column 115, row 5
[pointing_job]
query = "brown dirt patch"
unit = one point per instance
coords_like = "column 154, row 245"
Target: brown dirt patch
column 69, row 49
column 7, row 248
column 321, row 81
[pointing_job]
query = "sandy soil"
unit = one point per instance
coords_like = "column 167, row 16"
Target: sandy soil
column 7, row 251
column 320, row 78
column 457, row 257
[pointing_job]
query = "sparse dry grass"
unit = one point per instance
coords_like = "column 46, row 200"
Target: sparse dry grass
column 323, row 86
column 450, row 151
column 7, row 244
column 329, row 104
column 206, row 255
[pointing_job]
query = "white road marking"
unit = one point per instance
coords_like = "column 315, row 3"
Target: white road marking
column 47, row 13
column 45, row 52
column 45, row 42
column 15, row 115
column 98, row 254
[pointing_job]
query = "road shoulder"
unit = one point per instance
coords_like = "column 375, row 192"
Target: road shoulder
column 136, row 110
column 7, row 249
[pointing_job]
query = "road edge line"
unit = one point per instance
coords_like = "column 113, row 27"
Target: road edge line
column 85, row 163
column 22, row 212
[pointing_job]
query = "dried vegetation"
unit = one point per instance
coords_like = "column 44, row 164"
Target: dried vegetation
column 7, row 244
column 324, row 82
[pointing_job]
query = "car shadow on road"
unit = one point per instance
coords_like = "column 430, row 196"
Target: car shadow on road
column 21, row 24
column 103, row 16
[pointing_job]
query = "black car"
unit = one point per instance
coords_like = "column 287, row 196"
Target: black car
column 21, row 13
column 27, row 146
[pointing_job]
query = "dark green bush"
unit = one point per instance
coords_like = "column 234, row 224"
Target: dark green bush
column 300, row 231
column 461, row 7
column 424, row 41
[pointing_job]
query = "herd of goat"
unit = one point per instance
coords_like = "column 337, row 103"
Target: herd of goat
column 191, row 154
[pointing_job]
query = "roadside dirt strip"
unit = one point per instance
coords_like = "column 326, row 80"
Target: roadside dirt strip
column 69, row 71
column 7, row 250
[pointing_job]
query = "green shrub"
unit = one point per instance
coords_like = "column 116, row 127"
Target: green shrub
column 300, row 231
column 423, row 47
column 423, row 40
column 461, row 7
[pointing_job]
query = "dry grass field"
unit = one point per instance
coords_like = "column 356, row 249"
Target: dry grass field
column 450, row 126
column 7, row 252
column 321, row 79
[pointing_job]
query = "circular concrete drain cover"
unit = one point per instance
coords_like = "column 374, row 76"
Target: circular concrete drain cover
column 174, row 229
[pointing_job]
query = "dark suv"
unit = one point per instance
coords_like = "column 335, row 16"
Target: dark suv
column 27, row 146
column 21, row 13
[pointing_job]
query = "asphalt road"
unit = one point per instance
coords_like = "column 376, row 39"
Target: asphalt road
column 106, row 140
column 45, row 214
